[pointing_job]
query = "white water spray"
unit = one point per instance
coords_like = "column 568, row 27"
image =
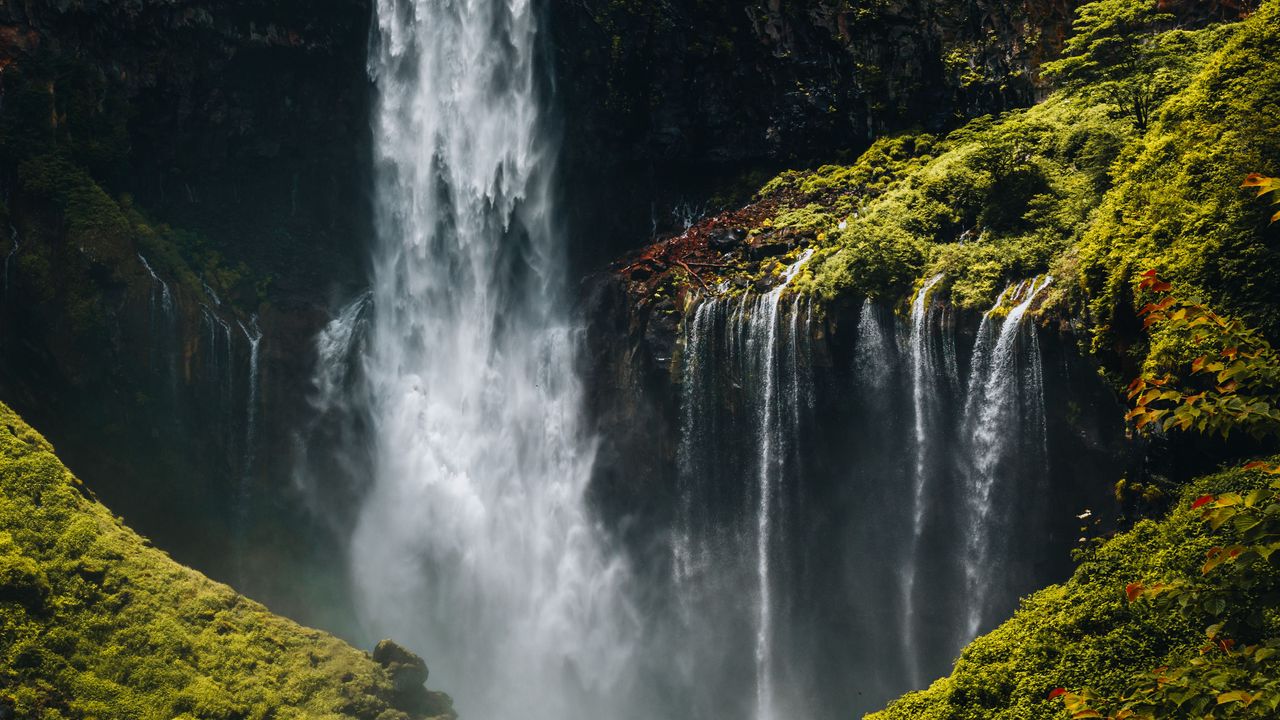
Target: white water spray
column 474, row 545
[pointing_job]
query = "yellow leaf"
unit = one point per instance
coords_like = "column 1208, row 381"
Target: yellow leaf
column 1239, row 696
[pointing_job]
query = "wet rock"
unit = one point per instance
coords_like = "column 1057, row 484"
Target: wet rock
column 769, row 246
column 725, row 239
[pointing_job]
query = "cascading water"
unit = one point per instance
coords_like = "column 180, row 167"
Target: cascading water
column 762, row 343
column 1005, row 392
column 857, row 488
column 924, row 393
column 764, row 337
column 474, row 545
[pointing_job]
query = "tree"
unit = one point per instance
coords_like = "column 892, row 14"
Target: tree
column 1118, row 54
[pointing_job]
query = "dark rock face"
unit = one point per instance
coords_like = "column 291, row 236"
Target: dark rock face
column 242, row 125
column 791, row 81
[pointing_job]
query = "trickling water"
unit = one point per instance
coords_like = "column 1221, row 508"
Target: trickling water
column 254, row 336
column 163, row 321
column 1002, row 399
column 217, row 301
column 474, row 544
column 166, row 299
column 244, row 489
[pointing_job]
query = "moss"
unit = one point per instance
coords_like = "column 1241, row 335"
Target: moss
column 1084, row 633
column 96, row 623
column 1071, row 187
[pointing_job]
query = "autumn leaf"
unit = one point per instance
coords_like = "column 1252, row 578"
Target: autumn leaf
column 1201, row 501
column 1057, row 692
column 1132, row 591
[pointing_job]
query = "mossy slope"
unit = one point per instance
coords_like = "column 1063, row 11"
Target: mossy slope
column 96, row 623
column 1085, row 633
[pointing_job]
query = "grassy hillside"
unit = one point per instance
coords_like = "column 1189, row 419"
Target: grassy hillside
column 96, row 623
column 1086, row 633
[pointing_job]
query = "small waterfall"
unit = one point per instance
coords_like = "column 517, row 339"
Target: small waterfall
column 254, row 336
column 924, row 373
column 248, row 455
column 751, row 354
column 763, row 335
column 219, row 373
column 165, row 297
column 1004, row 406
column 217, row 301
column 13, row 250
column 163, row 321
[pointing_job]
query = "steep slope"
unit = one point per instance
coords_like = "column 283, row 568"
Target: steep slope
column 1086, row 633
column 94, row 622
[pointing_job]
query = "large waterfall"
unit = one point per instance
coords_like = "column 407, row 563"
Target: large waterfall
column 473, row 545
column 813, row 531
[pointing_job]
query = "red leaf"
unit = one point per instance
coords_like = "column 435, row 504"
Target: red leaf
column 1132, row 591
column 1152, row 273
column 1057, row 692
column 1201, row 501
column 1161, row 287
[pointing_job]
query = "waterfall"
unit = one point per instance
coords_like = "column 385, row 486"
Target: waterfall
column 474, row 544
column 729, row 544
column 166, row 298
column 764, row 336
column 163, row 321
column 924, row 391
column 219, row 372
column 1001, row 400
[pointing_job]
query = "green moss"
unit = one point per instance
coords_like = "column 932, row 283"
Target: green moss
column 96, row 623
column 1085, row 633
column 1072, row 187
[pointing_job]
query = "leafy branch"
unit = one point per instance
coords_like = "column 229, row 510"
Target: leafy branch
column 1232, row 384
column 1265, row 186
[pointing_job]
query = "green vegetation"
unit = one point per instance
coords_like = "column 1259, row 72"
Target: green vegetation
column 1086, row 633
column 1136, row 184
column 95, row 623
column 1134, row 163
column 64, row 137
